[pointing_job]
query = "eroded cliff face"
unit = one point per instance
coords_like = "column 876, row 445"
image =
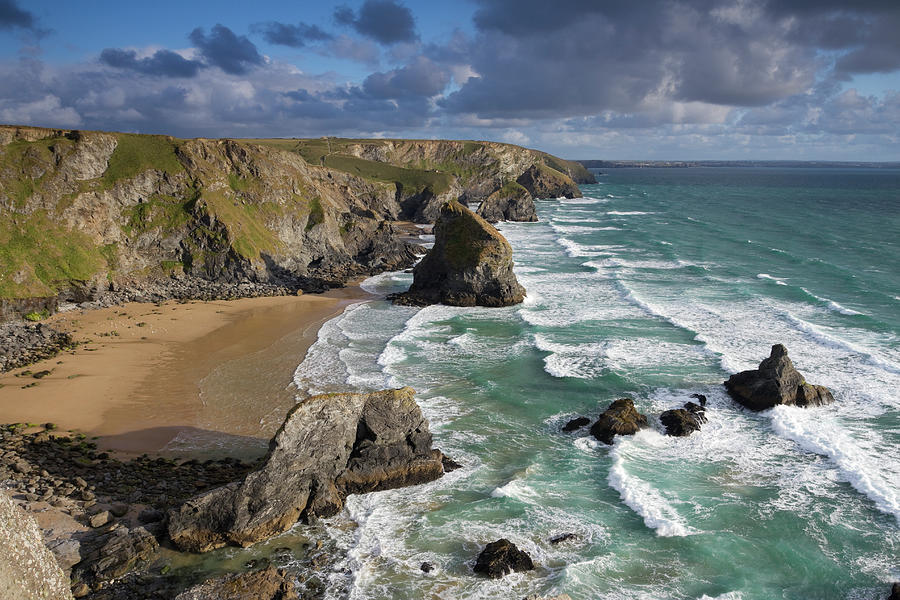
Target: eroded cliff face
column 85, row 213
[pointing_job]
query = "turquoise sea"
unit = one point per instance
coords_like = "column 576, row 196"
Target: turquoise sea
column 659, row 283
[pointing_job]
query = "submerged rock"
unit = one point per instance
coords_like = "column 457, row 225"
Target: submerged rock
column 621, row 418
column 576, row 424
column 328, row 447
column 470, row 264
column 502, row 558
column 895, row 592
column 512, row 202
column 776, row 381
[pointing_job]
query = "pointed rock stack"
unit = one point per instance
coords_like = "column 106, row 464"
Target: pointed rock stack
column 469, row 265
column 776, row 381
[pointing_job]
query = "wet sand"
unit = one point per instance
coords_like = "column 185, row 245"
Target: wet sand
column 200, row 377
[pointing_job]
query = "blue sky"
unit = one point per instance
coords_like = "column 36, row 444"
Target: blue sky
column 656, row 79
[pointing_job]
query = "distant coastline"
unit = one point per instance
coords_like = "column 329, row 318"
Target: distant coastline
column 787, row 164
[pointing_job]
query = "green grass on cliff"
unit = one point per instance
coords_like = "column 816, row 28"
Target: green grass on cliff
column 412, row 180
column 246, row 222
column 39, row 257
column 466, row 239
column 23, row 164
column 511, row 189
column 135, row 154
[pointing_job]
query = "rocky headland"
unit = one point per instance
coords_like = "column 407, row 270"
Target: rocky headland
column 775, row 382
column 469, row 265
column 329, row 446
column 94, row 216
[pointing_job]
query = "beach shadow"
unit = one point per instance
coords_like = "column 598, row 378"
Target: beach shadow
column 185, row 442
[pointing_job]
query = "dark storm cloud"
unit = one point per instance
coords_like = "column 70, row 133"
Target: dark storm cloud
column 421, row 78
column 13, row 16
column 234, row 54
column 295, row 36
column 385, row 21
column 163, row 63
column 536, row 59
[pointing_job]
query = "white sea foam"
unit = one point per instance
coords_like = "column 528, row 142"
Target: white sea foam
column 825, row 338
column 870, row 475
column 628, row 213
column 770, row 278
column 641, row 497
column 831, row 304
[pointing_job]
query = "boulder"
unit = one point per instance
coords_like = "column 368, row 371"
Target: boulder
column 621, row 418
column 470, row 264
column 895, row 592
column 576, row 424
column 502, row 558
column 328, row 447
column 776, row 381
column 265, row 584
column 512, row 202
column 680, row 422
column 543, row 182
column 28, row 570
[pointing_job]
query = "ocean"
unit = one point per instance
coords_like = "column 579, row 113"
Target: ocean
column 657, row 284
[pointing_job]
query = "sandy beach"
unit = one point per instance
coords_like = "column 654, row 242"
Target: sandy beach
column 178, row 377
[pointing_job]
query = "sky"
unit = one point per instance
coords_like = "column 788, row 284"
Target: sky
column 601, row 79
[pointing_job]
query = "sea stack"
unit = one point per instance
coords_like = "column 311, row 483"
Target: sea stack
column 328, row 447
column 776, row 381
column 469, row 265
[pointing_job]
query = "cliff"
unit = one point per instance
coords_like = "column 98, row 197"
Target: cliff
column 83, row 214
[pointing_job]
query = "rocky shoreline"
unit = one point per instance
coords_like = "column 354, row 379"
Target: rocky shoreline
column 114, row 526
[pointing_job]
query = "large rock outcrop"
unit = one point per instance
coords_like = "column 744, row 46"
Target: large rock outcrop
column 621, row 418
column 543, row 182
column 469, row 265
column 28, row 570
column 512, row 202
column 776, row 381
column 328, row 447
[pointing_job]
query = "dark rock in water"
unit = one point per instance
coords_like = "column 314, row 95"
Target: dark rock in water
column 559, row 539
column 501, row 558
column 265, row 584
column 543, row 182
column 895, row 592
column 575, row 424
column 700, row 398
column 681, row 422
column 512, row 202
column 328, row 447
column 697, row 410
column 621, row 418
column 470, row 264
column 449, row 464
column 427, row 567
column 776, row 382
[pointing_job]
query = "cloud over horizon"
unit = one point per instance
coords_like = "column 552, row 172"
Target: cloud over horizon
column 573, row 77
